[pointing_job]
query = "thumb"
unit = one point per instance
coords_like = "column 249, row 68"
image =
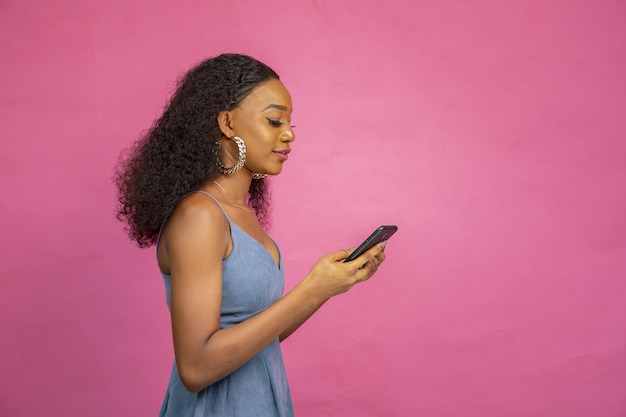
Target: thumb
column 339, row 255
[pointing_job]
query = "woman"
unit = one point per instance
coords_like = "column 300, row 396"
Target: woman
column 193, row 185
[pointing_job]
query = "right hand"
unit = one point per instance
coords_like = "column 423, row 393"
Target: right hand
column 330, row 276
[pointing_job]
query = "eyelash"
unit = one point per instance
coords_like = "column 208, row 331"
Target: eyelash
column 276, row 123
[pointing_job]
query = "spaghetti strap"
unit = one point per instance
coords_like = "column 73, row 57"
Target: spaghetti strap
column 197, row 191
column 216, row 202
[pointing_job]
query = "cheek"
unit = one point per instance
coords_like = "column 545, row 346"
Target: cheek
column 266, row 134
column 261, row 139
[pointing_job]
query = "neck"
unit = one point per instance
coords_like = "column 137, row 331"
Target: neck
column 236, row 186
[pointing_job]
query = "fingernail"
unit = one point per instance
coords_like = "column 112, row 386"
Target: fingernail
column 383, row 244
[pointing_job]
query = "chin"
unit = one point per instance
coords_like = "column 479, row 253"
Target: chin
column 275, row 171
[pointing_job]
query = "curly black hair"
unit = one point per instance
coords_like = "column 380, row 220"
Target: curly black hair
column 178, row 153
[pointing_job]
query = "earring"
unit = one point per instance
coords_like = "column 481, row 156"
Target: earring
column 239, row 163
column 258, row 176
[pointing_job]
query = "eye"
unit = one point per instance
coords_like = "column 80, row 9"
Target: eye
column 274, row 122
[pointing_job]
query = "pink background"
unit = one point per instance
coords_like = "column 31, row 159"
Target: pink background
column 492, row 133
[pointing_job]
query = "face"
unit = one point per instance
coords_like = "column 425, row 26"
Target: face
column 263, row 121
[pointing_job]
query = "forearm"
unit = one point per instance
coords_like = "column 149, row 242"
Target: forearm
column 299, row 321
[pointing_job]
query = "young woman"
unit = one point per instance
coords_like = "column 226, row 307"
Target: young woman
column 194, row 186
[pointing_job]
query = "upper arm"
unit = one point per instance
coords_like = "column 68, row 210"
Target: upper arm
column 196, row 238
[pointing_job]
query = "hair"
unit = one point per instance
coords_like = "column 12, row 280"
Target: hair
column 179, row 153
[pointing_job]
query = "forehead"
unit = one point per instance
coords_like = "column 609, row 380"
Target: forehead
column 270, row 92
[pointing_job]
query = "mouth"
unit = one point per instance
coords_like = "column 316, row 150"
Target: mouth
column 283, row 154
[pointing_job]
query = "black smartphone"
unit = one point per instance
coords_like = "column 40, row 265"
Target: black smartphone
column 381, row 234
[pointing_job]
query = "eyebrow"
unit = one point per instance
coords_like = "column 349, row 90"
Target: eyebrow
column 275, row 106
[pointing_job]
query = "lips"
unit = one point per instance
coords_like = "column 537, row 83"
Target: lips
column 283, row 154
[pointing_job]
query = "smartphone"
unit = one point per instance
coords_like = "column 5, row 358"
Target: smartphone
column 381, row 234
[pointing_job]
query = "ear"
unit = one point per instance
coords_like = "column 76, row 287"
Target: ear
column 225, row 122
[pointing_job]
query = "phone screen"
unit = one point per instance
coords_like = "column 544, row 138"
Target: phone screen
column 381, row 234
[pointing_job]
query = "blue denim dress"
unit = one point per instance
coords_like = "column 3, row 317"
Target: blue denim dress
column 251, row 282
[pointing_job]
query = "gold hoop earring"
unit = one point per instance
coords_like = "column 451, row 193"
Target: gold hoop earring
column 241, row 146
column 258, row 176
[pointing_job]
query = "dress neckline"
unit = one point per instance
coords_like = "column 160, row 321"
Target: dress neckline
column 231, row 222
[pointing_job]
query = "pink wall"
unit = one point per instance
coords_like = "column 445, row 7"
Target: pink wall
column 492, row 133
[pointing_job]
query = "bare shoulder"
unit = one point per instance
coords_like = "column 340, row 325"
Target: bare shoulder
column 197, row 210
column 197, row 223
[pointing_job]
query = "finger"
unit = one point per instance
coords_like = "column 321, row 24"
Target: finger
column 366, row 271
column 339, row 255
column 374, row 261
column 377, row 249
column 371, row 253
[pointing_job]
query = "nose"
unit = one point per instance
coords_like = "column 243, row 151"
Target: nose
column 288, row 135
